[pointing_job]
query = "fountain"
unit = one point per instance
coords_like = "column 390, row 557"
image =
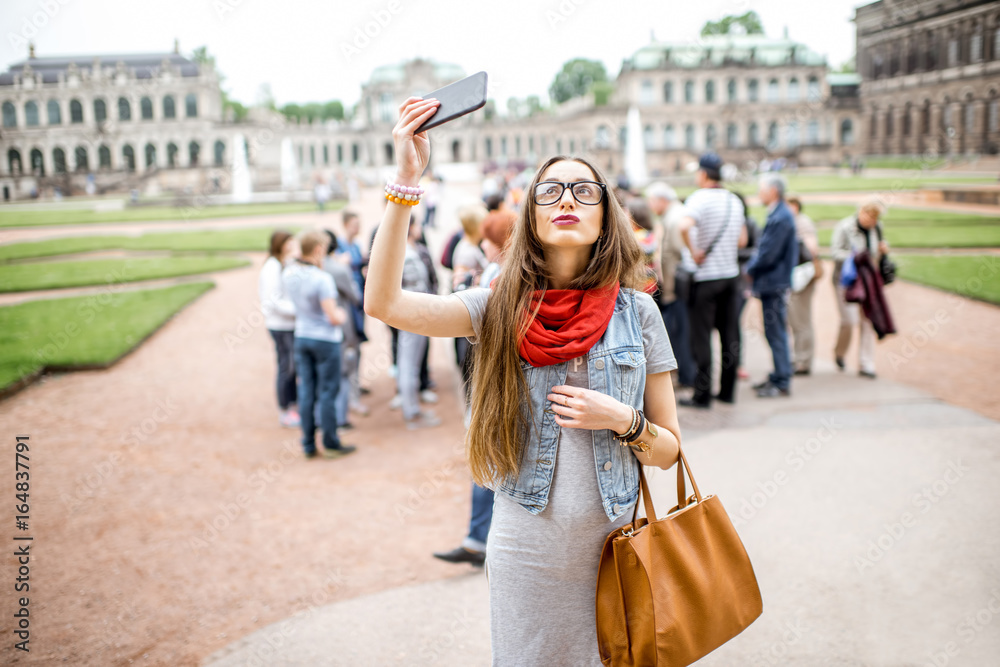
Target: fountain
column 635, row 151
column 242, row 189
column 289, row 168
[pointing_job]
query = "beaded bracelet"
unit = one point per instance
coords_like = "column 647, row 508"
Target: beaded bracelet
column 403, row 194
column 632, row 432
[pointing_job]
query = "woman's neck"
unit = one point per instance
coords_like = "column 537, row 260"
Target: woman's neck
column 565, row 265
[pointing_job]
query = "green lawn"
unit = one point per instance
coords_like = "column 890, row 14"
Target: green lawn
column 50, row 275
column 254, row 238
column 976, row 276
column 830, row 213
column 979, row 236
column 84, row 331
column 806, row 183
column 23, row 218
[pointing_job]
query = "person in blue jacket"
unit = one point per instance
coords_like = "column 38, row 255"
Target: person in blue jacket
column 771, row 273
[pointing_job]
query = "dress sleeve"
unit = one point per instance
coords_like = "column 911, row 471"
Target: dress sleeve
column 659, row 353
column 475, row 300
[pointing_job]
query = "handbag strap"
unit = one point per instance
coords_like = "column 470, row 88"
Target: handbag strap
column 682, row 500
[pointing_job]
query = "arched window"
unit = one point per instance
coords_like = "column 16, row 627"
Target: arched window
column 668, row 92
column 14, row 162
column 846, row 132
column 128, row 157
column 488, row 147
column 150, row 155
column 193, row 149
column 326, row 154
column 603, row 137
column 792, row 134
column 30, row 114
column 646, row 92
column 9, row 115
column 82, row 164
column 976, row 46
column 312, row 154
column 172, row 151
column 622, row 138
column 689, row 137
column 813, row 92
column 753, row 135
column 907, row 127
column 37, row 162
column 996, row 44
column 890, row 121
column 169, row 109
column 772, row 136
column 124, row 109
column 191, row 105
column 731, row 90
column 812, row 133
column 993, row 123
column 100, row 110
column 647, row 137
column 340, row 153
column 146, row 106
column 75, row 111
column 55, row 113
column 772, row 90
column 753, row 90
column 710, row 91
column 456, row 151
column 59, row 160
column 668, row 137
column 873, row 125
column 710, row 137
column 688, row 92
column 104, row 157
column 793, row 90
column 970, row 115
column 925, row 118
column 731, row 139
column 220, row 153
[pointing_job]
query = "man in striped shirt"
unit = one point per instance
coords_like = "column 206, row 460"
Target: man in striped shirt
column 712, row 230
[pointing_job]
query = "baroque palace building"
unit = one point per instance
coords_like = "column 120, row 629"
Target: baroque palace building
column 930, row 76
column 155, row 122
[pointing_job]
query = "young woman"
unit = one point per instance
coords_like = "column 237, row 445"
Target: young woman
column 569, row 347
column 279, row 318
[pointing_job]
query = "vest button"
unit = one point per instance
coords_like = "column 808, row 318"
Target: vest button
column 599, row 364
column 607, row 466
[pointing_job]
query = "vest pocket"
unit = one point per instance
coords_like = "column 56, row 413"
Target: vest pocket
column 627, row 369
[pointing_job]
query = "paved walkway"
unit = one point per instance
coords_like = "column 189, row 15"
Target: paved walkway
column 869, row 510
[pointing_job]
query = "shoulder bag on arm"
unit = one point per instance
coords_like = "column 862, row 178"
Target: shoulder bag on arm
column 672, row 590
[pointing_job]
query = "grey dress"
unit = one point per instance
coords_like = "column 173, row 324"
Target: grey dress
column 542, row 568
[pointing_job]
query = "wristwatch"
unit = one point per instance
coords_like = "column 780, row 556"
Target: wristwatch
column 640, row 445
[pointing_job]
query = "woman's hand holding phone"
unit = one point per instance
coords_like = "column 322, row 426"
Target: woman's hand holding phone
column 413, row 151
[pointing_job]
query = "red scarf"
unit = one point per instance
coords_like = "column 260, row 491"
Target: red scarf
column 568, row 324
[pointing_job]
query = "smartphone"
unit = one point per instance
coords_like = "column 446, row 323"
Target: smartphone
column 457, row 99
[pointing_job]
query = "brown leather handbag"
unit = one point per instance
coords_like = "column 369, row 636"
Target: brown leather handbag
column 672, row 590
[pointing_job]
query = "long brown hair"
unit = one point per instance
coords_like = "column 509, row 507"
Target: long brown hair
column 278, row 238
column 501, row 411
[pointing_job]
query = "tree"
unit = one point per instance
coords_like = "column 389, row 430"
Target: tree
column 576, row 78
column 749, row 24
column 602, row 92
column 202, row 57
column 847, row 67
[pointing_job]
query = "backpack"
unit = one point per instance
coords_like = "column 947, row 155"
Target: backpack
column 447, row 257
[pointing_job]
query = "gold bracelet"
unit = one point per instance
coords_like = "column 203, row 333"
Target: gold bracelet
column 643, row 446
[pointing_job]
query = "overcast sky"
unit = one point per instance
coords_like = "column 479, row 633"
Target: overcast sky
column 310, row 51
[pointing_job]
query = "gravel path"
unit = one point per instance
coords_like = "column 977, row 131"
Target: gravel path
column 172, row 515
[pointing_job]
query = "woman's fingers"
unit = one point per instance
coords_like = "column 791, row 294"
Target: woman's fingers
column 422, row 114
column 415, row 109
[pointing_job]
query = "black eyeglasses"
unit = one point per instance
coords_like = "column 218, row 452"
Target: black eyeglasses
column 588, row 193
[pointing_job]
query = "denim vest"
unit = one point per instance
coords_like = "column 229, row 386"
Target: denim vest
column 616, row 366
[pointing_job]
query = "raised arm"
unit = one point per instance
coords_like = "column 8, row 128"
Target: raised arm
column 385, row 299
